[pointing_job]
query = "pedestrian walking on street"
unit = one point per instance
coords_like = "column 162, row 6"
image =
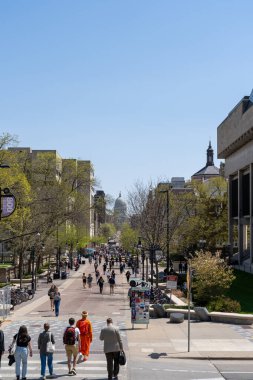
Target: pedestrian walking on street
column 85, row 328
column 46, row 358
column 128, row 274
column 57, row 301
column 84, row 278
column 51, row 293
column 112, row 284
column 89, row 280
column 104, row 268
column 108, row 274
column 101, row 284
column 71, row 339
column 1, row 342
column 112, row 347
column 23, row 343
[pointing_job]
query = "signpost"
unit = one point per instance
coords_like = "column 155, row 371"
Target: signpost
column 171, row 283
column 140, row 298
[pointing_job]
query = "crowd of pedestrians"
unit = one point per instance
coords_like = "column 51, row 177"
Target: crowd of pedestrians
column 77, row 336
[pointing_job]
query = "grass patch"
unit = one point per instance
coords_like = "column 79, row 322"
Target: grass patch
column 242, row 290
column 5, row 265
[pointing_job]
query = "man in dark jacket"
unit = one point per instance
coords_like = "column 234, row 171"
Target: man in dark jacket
column 1, row 342
column 112, row 347
column 45, row 357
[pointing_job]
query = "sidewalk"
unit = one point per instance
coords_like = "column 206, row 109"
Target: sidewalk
column 161, row 339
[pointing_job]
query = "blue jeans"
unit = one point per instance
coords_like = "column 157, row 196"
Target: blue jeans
column 46, row 359
column 57, row 307
column 20, row 355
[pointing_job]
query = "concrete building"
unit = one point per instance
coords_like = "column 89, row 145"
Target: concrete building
column 235, row 145
column 99, row 210
column 81, row 172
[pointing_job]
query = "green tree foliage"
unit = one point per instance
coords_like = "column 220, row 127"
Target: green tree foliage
column 212, row 277
column 207, row 215
column 107, row 230
column 128, row 237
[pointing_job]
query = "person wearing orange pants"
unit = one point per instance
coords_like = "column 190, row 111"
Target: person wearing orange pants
column 85, row 328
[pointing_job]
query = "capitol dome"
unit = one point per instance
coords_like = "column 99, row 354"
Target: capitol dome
column 120, row 211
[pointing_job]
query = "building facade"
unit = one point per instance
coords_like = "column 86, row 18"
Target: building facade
column 235, row 145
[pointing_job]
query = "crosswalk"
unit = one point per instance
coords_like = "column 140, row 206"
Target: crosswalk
column 92, row 369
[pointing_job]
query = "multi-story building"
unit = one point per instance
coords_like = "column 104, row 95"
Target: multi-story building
column 235, row 145
column 99, row 210
column 49, row 166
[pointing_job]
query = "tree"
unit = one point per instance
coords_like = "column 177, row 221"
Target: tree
column 107, row 230
column 212, row 276
column 128, row 237
column 207, row 215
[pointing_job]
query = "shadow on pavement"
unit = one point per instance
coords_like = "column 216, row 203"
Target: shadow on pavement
column 155, row 355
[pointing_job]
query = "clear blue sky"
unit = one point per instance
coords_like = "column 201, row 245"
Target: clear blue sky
column 136, row 86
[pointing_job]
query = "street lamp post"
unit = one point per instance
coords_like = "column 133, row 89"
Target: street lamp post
column 33, row 268
column 167, row 231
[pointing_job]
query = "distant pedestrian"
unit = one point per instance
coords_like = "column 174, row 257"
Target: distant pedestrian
column 51, row 293
column 104, row 268
column 113, row 274
column 128, row 274
column 100, row 283
column 112, row 347
column 46, row 358
column 89, row 280
column 85, row 328
column 108, row 274
column 121, row 268
column 23, row 343
column 97, row 274
column 71, row 339
column 57, row 301
column 84, row 279
column 112, row 284
column 1, row 342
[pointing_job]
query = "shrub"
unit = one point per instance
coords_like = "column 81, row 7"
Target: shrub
column 224, row 304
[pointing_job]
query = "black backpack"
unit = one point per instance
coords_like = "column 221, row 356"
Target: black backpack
column 69, row 336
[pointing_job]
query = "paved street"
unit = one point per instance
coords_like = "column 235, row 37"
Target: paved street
column 160, row 350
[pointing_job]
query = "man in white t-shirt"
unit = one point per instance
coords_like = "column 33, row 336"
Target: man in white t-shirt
column 71, row 339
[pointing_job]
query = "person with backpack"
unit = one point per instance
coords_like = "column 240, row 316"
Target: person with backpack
column 112, row 284
column 85, row 327
column 57, row 301
column 71, row 339
column 45, row 356
column 51, row 293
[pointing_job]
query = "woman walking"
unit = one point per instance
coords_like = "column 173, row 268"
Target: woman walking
column 85, row 329
column 84, row 280
column 51, row 294
column 57, row 301
column 101, row 284
column 45, row 356
column 23, row 343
